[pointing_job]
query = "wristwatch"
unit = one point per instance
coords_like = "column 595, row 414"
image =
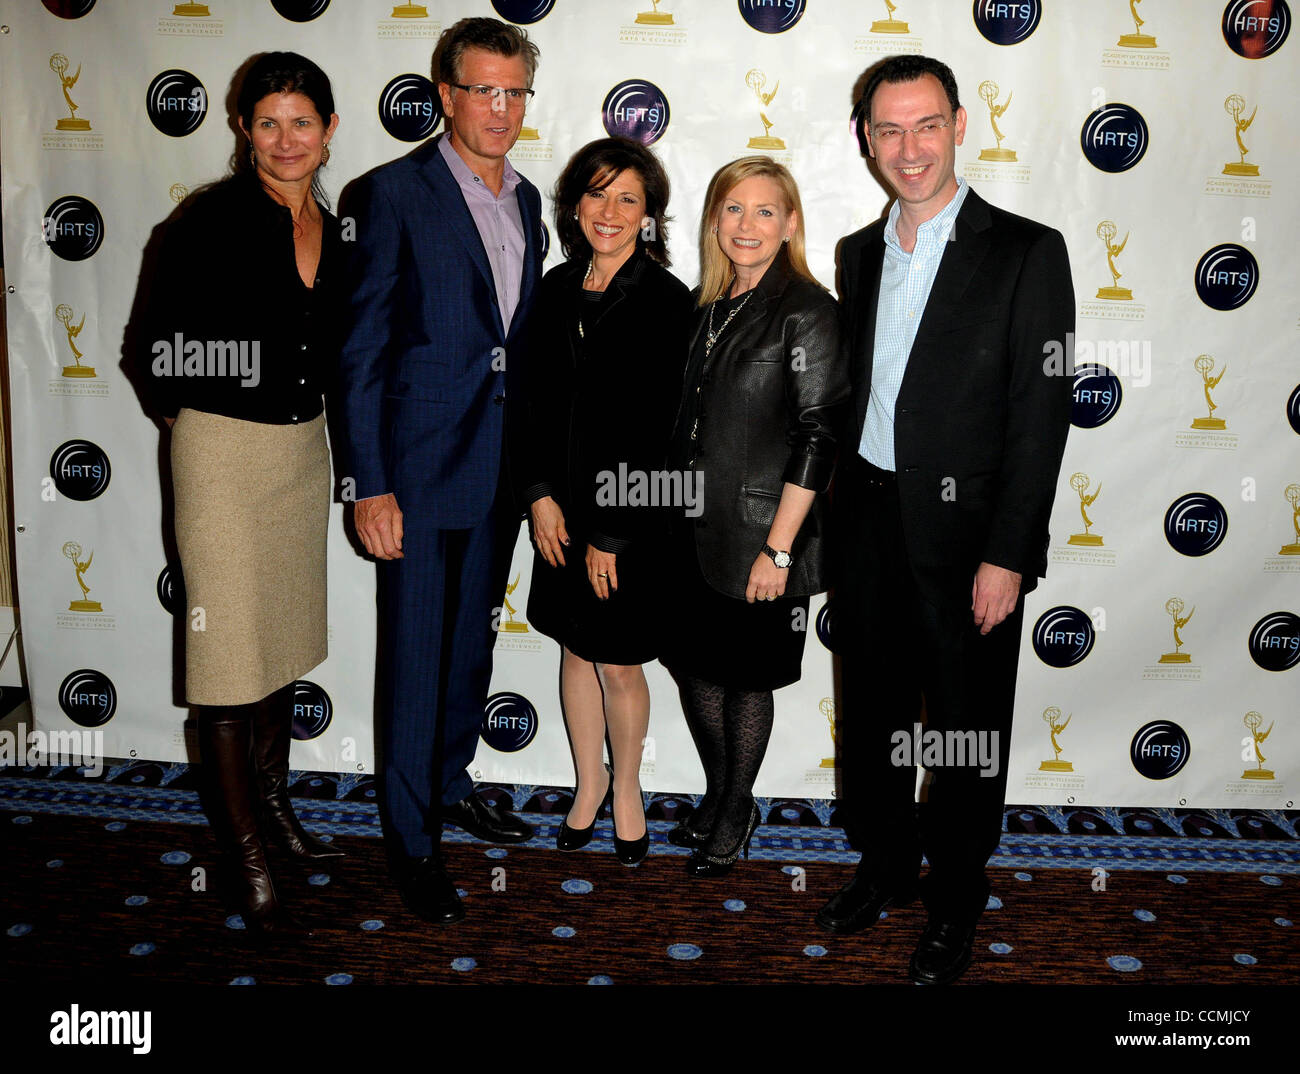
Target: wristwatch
column 781, row 559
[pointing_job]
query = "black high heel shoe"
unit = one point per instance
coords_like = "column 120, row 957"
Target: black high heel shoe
column 629, row 851
column 576, row 838
column 684, row 835
column 710, row 865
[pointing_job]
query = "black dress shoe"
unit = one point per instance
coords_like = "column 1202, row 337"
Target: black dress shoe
column 943, row 952
column 429, row 892
column 487, row 822
column 857, row 905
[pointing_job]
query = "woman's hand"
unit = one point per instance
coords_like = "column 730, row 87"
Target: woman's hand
column 766, row 579
column 601, row 572
column 549, row 534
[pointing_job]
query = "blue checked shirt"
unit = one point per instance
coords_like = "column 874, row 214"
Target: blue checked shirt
column 905, row 282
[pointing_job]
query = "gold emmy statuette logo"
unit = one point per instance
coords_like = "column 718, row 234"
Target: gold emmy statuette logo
column 756, row 80
column 1205, row 366
column 1106, row 231
column 1052, row 717
column 191, row 11
column 827, row 708
column 655, row 17
column 1234, row 105
column 63, row 314
column 1292, row 494
column 1174, row 606
column 528, row 134
column 1079, row 482
column 988, row 92
column 512, row 627
column 1138, row 39
column 1253, row 720
column 70, row 122
column 72, row 551
column 178, row 192
column 410, row 11
column 890, row 25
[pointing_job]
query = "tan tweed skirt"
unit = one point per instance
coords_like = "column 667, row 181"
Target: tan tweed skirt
column 252, row 510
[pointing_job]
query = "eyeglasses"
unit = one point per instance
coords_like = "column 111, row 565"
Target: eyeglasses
column 895, row 134
column 482, row 94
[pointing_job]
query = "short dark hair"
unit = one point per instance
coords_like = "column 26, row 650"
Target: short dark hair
column 895, row 69
column 283, row 72
column 594, row 167
column 490, row 35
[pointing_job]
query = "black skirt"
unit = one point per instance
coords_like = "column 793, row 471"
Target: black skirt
column 725, row 640
column 622, row 630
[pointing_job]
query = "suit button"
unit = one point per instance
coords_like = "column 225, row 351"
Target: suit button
column 909, row 469
column 302, row 380
column 498, row 399
column 293, row 418
column 302, row 346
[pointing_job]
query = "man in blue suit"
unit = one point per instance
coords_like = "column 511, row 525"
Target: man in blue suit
column 445, row 264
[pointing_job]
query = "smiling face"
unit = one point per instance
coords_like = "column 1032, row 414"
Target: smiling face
column 288, row 137
column 920, row 167
column 485, row 131
column 752, row 223
column 612, row 217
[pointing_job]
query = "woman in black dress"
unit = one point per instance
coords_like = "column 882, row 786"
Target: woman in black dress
column 762, row 396
column 249, row 274
column 590, row 435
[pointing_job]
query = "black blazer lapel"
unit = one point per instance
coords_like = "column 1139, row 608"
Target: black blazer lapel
column 532, row 225
column 864, row 342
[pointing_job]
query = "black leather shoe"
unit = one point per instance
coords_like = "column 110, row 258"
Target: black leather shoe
column 943, row 953
column 429, row 892
column 857, row 905
column 486, row 822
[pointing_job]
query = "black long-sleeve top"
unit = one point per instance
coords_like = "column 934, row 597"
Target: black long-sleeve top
column 226, row 295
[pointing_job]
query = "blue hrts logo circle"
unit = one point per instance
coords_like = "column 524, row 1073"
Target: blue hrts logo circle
column 176, row 103
column 1063, row 636
column 171, row 590
column 1226, row 276
column 1006, row 23
column 771, row 16
column 523, row 12
column 73, row 228
column 410, row 108
column 80, row 469
column 1196, row 524
column 509, row 722
column 88, row 697
column 636, row 109
column 312, row 710
column 1114, row 138
column 826, row 628
column 1275, row 641
column 1256, row 28
column 1160, row 749
column 1097, row 395
column 300, row 10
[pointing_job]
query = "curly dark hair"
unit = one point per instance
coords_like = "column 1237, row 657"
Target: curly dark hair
column 593, row 167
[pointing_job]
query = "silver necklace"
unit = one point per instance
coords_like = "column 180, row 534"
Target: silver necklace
column 713, row 336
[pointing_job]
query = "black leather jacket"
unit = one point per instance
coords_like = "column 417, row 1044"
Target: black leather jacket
column 763, row 410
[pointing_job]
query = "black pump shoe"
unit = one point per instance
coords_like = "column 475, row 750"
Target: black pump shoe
column 569, row 838
column 710, row 865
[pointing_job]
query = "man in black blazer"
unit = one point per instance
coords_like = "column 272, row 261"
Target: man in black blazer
column 443, row 271
column 953, row 312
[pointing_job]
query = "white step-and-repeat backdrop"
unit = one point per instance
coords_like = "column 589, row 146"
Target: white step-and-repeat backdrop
column 1158, row 665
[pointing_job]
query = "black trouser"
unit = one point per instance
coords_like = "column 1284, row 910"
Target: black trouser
column 902, row 654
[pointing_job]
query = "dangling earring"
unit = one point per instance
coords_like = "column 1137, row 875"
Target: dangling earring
column 324, row 155
column 252, row 156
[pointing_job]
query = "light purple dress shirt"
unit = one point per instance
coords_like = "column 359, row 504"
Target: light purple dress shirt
column 499, row 226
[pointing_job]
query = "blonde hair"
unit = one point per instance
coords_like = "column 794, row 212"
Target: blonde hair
column 716, row 272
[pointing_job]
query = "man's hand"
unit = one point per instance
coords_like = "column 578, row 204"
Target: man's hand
column 766, row 579
column 601, row 572
column 549, row 533
column 994, row 595
column 379, row 525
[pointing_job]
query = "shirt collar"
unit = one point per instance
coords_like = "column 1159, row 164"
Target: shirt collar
column 464, row 175
column 939, row 224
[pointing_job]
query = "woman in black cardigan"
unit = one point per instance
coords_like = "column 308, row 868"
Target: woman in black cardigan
column 762, row 395
column 589, row 439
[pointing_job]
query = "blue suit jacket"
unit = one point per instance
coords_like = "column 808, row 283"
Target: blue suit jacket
column 423, row 369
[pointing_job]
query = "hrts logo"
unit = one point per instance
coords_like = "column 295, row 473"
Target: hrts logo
column 1196, row 524
column 1007, row 23
column 771, row 16
column 1226, row 276
column 1275, row 641
column 636, row 109
column 1256, row 28
column 300, row 10
column 1160, row 749
column 1097, row 396
column 509, row 722
column 73, row 228
column 409, row 108
column 87, row 697
column 1114, row 137
column 80, row 469
column 176, row 103
column 312, row 710
column 1063, row 636
column 523, row 12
